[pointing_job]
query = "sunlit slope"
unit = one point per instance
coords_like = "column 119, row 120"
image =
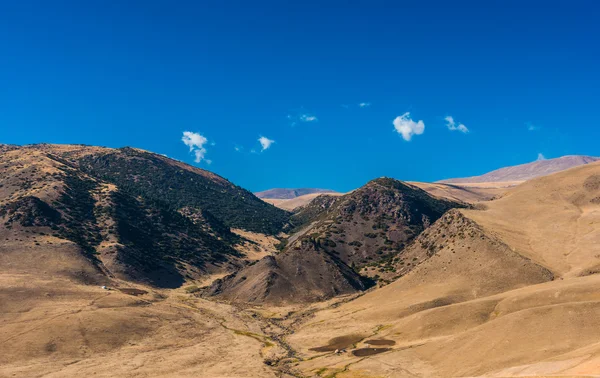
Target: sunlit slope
column 554, row 220
column 504, row 292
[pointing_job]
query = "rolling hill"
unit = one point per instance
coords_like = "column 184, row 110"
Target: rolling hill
column 280, row 193
column 507, row 290
column 334, row 238
column 296, row 203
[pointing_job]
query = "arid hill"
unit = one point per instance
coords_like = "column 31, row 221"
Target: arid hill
column 372, row 223
column 506, row 291
column 280, row 193
column 91, row 264
column 527, row 171
column 299, row 276
column 120, row 210
column 334, row 238
column 469, row 193
column 295, row 204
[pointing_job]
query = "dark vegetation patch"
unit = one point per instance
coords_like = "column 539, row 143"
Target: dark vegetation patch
column 153, row 177
column 340, row 342
column 365, row 352
column 133, row 291
column 592, row 183
column 156, row 239
column 380, row 342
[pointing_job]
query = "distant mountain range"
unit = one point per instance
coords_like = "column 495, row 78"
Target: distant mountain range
column 527, row 171
column 281, row 193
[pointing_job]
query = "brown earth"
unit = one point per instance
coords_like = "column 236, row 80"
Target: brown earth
column 297, row 202
column 507, row 290
column 514, row 295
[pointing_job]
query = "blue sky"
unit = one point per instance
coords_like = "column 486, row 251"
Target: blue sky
column 521, row 76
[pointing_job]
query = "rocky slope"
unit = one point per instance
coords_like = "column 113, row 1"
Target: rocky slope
column 372, row 223
column 333, row 239
column 129, row 213
column 299, row 276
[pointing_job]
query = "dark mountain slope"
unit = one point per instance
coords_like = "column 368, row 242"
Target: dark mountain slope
column 120, row 230
column 180, row 186
column 306, row 275
column 371, row 223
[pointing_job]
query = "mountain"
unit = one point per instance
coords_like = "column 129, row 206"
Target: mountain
column 333, row 238
column 491, row 285
column 129, row 213
column 527, row 171
column 370, row 224
column 279, row 193
column 294, row 204
column 97, row 271
column 182, row 187
column 7, row 147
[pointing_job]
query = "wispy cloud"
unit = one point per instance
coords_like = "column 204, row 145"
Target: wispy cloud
column 364, row 104
column 531, row 127
column 308, row 118
column 541, row 157
column 265, row 143
column 451, row 124
column 196, row 142
column 406, row 127
column 301, row 116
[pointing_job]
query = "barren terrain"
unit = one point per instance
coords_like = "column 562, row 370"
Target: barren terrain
column 505, row 288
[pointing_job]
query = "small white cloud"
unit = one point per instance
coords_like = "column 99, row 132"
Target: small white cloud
column 301, row 116
column 196, row 143
column 541, row 157
column 308, row 118
column 238, row 148
column 531, row 126
column 364, row 104
column 453, row 126
column 265, row 143
column 345, row 106
column 406, row 127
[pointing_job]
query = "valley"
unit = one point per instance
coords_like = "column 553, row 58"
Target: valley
column 121, row 262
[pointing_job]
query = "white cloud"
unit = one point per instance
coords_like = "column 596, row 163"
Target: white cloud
column 541, row 157
column 301, row 117
column 453, row 126
column 531, row 126
column 307, row 118
column 364, row 104
column 238, row 148
column 406, row 127
column 196, row 143
column 265, row 142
